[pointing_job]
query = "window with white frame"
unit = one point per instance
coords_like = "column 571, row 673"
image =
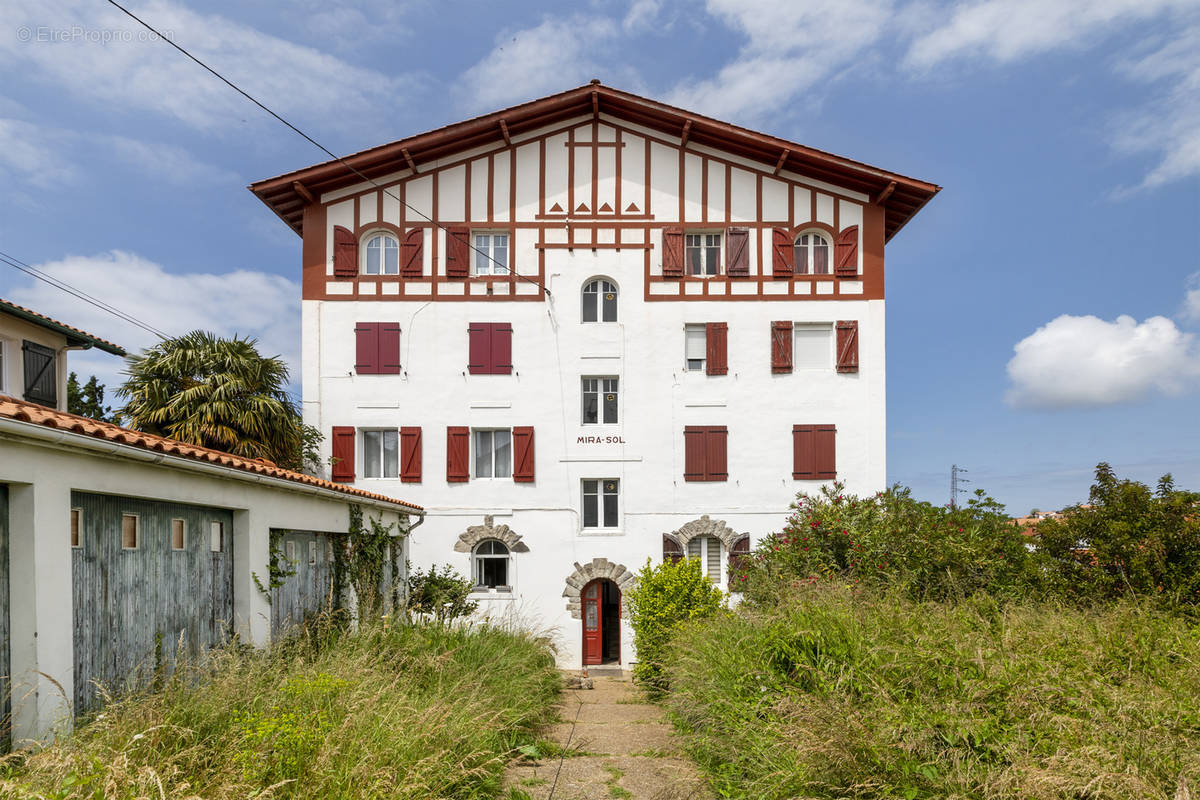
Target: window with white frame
column 490, row 559
column 381, row 454
column 812, row 254
column 599, row 401
column 490, row 253
column 600, row 301
column 178, row 534
column 707, row 550
column 493, row 454
column 382, row 255
column 131, row 532
column 216, row 536
column 601, row 503
column 702, row 253
column 695, row 347
column 814, row 346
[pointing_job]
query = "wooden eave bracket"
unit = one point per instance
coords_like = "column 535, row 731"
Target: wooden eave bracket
column 409, row 159
column 504, row 133
column 885, row 194
column 302, row 190
column 687, row 130
column 782, row 158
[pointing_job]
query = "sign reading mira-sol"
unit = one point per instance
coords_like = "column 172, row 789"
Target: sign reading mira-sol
column 600, row 440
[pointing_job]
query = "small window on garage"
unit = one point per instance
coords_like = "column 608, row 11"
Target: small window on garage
column 131, row 533
column 76, row 534
column 216, row 536
column 289, row 551
column 178, row 534
column 312, row 552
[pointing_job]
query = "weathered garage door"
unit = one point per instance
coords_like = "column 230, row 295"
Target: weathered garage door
column 5, row 630
column 136, row 605
column 309, row 590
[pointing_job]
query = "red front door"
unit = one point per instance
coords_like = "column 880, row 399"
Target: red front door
column 593, row 609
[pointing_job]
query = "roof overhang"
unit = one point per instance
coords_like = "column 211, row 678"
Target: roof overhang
column 75, row 337
column 901, row 196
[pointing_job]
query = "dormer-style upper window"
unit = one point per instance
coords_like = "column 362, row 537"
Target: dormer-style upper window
column 702, row 253
column 383, row 255
column 812, row 254
column 490, row 254
column 600, row 301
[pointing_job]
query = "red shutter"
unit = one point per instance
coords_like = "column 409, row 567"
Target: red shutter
column 672, row 550
column 501, row 348
column 366, row 348
column 694, row 452
column 458, row 252
column 737, row 559
column 672, row 252
column 737, row 252
column 781, row 346
column 412, row 253
column 783, row 253
column 458, row 453
column 389, row 348
column 410, row 455
column 814, row 452
column 345, row 252
column 479, row 350
column 716, row 361
column 846, row 253
column 523, row 454
column 343, row 453
column 847, row 346
column 715, row 450
column 825, row 449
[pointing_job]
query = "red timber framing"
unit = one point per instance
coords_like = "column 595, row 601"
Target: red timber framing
column 577, row 118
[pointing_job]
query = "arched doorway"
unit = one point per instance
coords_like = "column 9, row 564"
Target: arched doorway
column 601, row 601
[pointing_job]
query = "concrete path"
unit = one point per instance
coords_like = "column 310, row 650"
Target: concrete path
column 621, row 747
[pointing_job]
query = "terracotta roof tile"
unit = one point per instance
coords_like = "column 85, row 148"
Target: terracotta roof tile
column 13, row 408
column 49, row 322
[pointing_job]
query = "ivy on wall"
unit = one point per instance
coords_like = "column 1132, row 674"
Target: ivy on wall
column 279, row 569
column 359, row 559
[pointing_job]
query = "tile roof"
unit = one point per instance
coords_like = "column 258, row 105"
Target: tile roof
column 22, row 411
column 82, row 337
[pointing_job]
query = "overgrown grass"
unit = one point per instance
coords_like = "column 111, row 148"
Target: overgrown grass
column 405, row 712
column 841, row 694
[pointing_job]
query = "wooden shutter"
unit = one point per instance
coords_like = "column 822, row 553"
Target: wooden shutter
column 501, row 348
column 343, row 452
column 458, row 252
column 388, row 359
column 814, row 452
column 366, row 348
column 672, row 252
column 458, row 454
column 737, row 558
column 671, row 549
column 412, row 253
column 716, row 361
column 737, row 252
column 479, row 350
column 41, row 374
column 410, row 455
column 781, row 346
column 345, row 252
column 846, row 253
column 782, row 253
column 522, row 454
column 715, row 450
column 847, row 346
column 694, row 452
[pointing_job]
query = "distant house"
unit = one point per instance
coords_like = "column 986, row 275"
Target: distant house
column 33, row 347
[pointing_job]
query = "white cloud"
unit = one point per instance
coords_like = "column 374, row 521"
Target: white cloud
column 1191, row 301
column 165, row 161
column 32, row 156
column 1086, row 361
column 244, row 302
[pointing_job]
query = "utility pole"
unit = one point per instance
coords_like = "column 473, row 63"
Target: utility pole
column 955, row 471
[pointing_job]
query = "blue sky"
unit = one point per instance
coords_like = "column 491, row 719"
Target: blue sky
column 1043, row 310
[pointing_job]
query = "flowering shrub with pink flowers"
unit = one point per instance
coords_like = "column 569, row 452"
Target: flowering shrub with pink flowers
column 931, row 552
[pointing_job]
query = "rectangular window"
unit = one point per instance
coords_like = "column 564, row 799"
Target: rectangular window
column 76, row 536
column 600, row 503
column 131, row 535
column 178, row 534
column 702, row 253
column 289, row 551
column 216, row 537
column 381, row 454
column 493, row 454
column 377, row 348
column 312, row 552
column 599, row 401
column 489, row 349
column 329, row 552
column 707, row 550
column 814, row 452
column 695, row 347
column 814, row 346
column 705, row 453
column 490, row 253
column 41, row 374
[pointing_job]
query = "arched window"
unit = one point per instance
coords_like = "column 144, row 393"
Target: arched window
column 707, row 549
column 812, row 254
column 383, row 255
column 600, row 301
column 491, row 565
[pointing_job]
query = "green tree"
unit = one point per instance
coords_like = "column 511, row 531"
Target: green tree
column 219, row 393
column 87, row 400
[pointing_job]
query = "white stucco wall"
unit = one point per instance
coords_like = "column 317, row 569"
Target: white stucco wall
column 15, row 331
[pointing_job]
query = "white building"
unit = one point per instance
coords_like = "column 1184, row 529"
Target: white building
column 590, row 331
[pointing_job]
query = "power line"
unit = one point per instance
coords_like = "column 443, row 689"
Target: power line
column 318, row 145
column 57, row 283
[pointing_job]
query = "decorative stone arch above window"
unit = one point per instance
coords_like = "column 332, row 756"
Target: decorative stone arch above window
column 707, row 527
column 472, row 536
column 586, row 573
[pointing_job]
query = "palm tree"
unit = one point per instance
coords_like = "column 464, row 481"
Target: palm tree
column 218, row 393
